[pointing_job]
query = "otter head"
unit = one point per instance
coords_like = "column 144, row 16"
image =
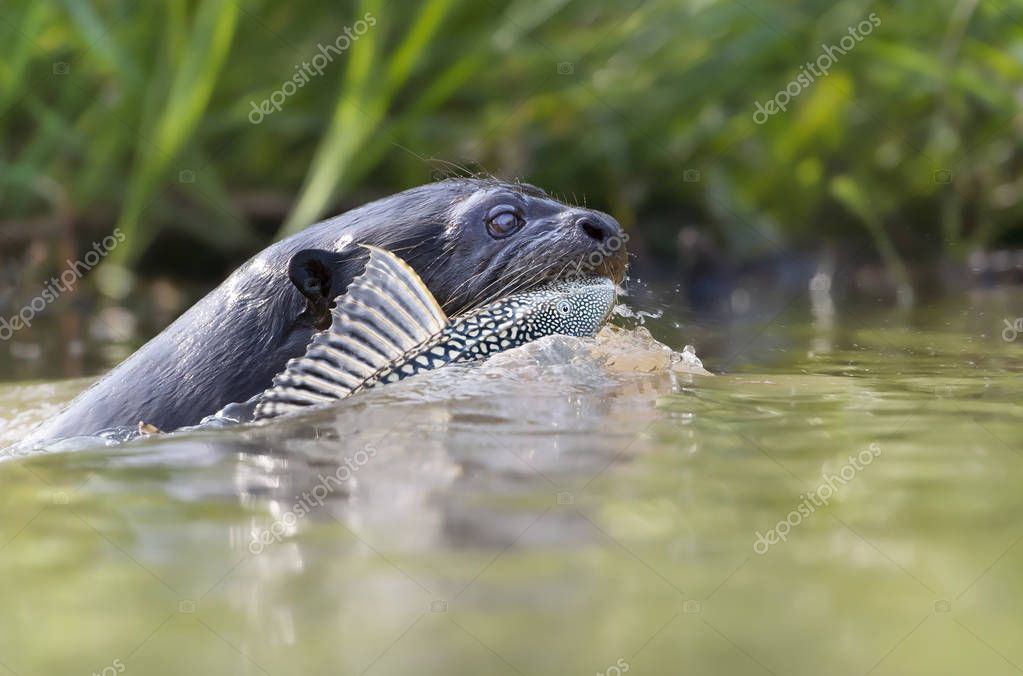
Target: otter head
column 471, row 241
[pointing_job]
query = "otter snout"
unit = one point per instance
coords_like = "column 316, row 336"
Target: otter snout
column 604, row 238
column 597, row 226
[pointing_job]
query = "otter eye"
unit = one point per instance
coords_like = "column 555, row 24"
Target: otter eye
column 503, row 220
column 564, row 308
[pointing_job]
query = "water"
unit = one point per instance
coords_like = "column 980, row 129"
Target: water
column 567, row 508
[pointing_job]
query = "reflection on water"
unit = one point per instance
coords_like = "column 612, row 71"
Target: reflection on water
column 565, row 508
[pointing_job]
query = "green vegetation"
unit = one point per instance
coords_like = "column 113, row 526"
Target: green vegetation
column 137, row 115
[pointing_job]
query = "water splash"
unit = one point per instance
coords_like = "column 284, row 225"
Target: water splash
column 623, row 310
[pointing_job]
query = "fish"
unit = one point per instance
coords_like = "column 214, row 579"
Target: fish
column 388, row 326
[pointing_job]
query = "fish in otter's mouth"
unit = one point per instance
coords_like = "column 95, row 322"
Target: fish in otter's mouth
column 388, row 326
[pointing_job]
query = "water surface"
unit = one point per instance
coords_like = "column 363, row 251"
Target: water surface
column 571, row 507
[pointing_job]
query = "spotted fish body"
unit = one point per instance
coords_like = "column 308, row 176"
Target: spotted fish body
column 388, row 326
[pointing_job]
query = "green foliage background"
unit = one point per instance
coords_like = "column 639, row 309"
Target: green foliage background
column 136, row 115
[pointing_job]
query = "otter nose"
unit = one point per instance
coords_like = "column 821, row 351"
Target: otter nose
column 598, row 228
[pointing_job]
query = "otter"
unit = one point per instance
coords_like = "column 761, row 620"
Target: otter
column 471, row 240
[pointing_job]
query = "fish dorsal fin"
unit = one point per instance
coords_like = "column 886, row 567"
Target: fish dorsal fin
column 386, row 312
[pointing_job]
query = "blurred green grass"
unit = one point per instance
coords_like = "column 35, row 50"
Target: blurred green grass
column 115, row 113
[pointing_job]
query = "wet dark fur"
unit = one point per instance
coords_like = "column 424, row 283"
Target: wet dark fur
column 228, row 346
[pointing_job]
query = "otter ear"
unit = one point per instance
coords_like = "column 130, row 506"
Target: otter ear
column 317, row 275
